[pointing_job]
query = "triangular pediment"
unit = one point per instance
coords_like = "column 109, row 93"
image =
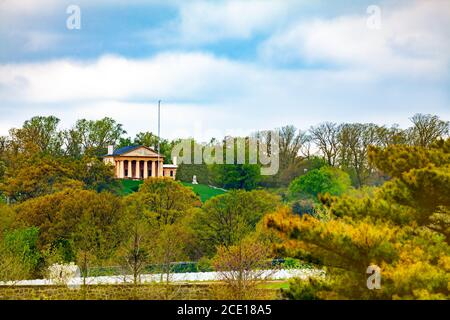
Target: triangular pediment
column 141, row 152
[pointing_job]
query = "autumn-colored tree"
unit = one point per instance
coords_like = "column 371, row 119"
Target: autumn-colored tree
column 7, row 216
column 38, row 176
column 169, row 200
column 87, row 218
column 227, row 219
column 403, row 228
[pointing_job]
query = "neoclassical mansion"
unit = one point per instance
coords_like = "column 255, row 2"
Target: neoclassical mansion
column 139, row 162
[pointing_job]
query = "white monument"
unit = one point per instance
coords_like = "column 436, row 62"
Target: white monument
column 65, row 274
column 194, row 180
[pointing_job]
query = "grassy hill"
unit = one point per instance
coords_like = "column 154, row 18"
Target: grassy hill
column 203, row 191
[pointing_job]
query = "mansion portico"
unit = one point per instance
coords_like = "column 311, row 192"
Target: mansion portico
column 139, row 162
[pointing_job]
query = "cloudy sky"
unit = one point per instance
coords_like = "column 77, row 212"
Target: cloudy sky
column 224, row 67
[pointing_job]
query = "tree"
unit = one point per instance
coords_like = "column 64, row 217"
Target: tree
column 326, row 137
column 19, row 256
column 427, row 129
column 150, row 140
column 320, row 181
column 89, row 220
column 125, row 142
column 134, row 252
column 97, row 135
column 242, row 267
column 95, row 174
column 355, row 139
column 309, row 289
column 38, row 176
column 73, row 143
column 169, row 200
column 168, row 247
column 236, row 176
column 7, row 216
column 227, row 219
column 291, row 142
column 186, row 172
column 293, row 147
column 38, row 135
column 402, row 228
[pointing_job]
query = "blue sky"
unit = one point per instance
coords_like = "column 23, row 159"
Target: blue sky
column 224, row 67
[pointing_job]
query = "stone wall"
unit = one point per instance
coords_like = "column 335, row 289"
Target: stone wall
column 120, row 292
column 104, row 292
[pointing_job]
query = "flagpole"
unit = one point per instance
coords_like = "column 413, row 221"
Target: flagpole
column 159, row 134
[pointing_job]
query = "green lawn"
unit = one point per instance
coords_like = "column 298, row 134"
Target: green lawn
column 130, row 186
column 203, row 191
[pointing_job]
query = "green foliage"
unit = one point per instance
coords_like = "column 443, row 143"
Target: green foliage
column 38, row 135
column 167, row 199
column 236, row 176
column 228, row 218
column 185, row 173
column 60, row 251
column 403, row 227
column 303, row 206
column 309, row 289
column 204, row 264
column 96, row 175
column 291, row 263
column 2, row 169
column 129, row 186
column 7, row 216
column 22, row 244
column 94, row 136
column 320, row 181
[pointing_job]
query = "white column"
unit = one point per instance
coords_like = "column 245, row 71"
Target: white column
column 138, row 169
column 129, row 169
column 121, row 169
column 153, row 169
column 160, row 165
column 145, row 169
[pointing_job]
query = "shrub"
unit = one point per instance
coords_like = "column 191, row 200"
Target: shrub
column 304, row 206
column 310, row 289
column 320, row 181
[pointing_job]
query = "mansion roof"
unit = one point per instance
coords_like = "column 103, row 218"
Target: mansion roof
column 135, row 150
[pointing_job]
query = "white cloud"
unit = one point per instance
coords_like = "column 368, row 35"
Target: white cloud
column 413, row 40
column 203, row 21
column 201, row 92
column 171, row 76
